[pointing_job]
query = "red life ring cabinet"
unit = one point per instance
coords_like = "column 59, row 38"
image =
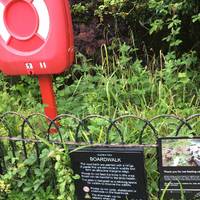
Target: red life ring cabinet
column 36, row 38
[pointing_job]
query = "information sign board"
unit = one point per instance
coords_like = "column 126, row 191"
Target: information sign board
column 110, row 173
column 179, row 167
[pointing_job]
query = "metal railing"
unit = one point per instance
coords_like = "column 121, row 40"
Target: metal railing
column 21, row 134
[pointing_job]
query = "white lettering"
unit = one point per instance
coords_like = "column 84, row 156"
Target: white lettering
column 104, row 159
column 29, row 65
column 43, row 65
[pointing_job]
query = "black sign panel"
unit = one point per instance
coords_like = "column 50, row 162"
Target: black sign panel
column 179, row 166
column 110, row 173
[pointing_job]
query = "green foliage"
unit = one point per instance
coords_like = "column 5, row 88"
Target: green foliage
column 79, row 8
column 196, row 18
column 110, row 7
column 26, row 179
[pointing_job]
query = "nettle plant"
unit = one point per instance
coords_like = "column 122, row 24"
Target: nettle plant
column 110, row 7
column 48, row 178
column 168, row 16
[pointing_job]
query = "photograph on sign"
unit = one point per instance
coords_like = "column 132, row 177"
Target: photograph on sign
column 179, row 167
column 110, row 173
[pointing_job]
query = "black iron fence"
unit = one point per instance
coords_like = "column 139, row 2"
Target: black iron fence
column 21, row 135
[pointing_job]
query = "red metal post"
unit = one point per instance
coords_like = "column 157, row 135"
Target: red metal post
column 48, row 96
